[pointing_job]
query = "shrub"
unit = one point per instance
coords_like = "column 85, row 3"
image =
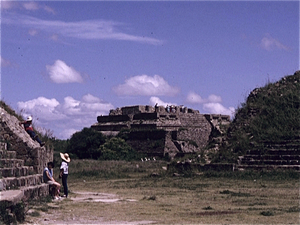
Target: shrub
column 267, row 213
column 117, row 149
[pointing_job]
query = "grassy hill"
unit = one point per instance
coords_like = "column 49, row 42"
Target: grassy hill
column 270, row 114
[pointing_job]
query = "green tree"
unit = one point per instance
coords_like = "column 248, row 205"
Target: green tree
column 85, row 144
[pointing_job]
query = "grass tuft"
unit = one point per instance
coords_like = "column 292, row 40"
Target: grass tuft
column 34, row 214
column 267, row 213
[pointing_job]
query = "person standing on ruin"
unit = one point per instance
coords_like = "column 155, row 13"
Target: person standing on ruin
column 29, row 129
column 156, row 107
column 64, row 171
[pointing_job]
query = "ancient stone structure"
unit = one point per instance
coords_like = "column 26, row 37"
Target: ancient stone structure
column 160, row 131
column 19, row 141
column 22, row 161
column 272, row 155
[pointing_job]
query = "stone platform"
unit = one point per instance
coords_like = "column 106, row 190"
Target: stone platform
column 160, row 131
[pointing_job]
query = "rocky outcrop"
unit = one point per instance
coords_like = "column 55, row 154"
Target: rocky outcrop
column 162, row 131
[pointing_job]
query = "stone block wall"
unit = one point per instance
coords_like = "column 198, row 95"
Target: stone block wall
column 186, row 130
column 114, row 118
column 19, row 141
column 136, row 109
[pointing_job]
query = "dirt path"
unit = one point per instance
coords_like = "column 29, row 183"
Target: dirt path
column 52, row 213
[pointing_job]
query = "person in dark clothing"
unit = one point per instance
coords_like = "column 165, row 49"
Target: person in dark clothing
column 29, row 129
column 49, row 179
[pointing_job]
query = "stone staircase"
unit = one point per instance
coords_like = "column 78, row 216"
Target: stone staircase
column 18, row 183
column 272, row 155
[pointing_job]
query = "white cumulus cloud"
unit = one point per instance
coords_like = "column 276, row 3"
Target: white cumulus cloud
column 66, row 117
column 88, row 105
column 269, row 43
column 60, row 72
column 194, row 98
column 42, row 108
column 147, row 86
column 217, row 108
column 212, row 104
column 214, row 98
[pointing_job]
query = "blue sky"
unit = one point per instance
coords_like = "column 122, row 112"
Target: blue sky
column 66, row 62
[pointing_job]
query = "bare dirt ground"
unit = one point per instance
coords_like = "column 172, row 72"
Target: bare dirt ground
column 54, row 215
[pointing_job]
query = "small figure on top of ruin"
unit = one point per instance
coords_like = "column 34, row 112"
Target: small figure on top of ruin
column 168, row 108
column 156, row 107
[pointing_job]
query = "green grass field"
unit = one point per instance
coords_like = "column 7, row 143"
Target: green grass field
column 201, row 198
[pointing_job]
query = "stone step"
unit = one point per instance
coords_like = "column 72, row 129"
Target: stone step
column 11, row 163
column 273, row 152
column 271, row 157
column 270, row 162
column 10, row 183
column 292, row 144
column 7, row 154
column 268, row 167
column 12, row 197
column 35, row 192
column 17, row 171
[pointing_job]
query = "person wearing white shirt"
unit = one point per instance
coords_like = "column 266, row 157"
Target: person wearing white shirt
column 64, row 171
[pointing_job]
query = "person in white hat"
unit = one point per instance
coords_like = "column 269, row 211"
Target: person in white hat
column 29, row 129
column 64, row 171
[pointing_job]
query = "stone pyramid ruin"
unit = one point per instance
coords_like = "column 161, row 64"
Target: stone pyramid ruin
column 22, row 161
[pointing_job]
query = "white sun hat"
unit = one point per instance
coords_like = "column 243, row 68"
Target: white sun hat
column 65, row 157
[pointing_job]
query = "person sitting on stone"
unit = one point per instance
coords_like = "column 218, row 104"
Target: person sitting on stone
column 48, row 178
column 29, row 129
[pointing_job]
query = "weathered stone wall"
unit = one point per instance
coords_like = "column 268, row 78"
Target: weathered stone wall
column 19, row 141
column 186, row 130
column 150, row 141
column 113, row 118
column 136, row 109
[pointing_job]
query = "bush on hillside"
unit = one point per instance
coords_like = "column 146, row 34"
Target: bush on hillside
column 85, row 144
column 9, row 110
column 270, row 113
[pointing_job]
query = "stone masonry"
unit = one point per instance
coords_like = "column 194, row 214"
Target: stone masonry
column 22, row 161
column 19, row 141
column 185, row 130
